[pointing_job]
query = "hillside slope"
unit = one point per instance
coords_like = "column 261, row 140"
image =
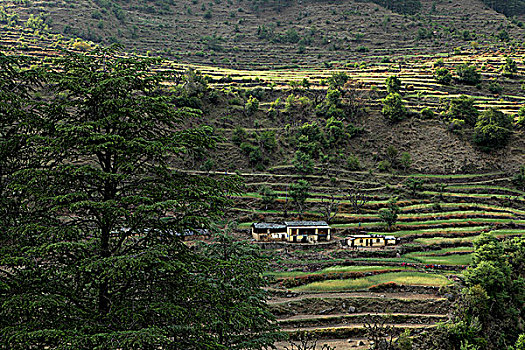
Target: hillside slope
column 270, row 33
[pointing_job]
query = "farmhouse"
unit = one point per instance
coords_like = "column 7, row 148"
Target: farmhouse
column 365, row 240
column 292, row 231
column 262, row 231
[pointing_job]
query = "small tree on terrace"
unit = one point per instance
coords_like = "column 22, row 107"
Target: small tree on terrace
column 389, row 214
column 393, row 84
column 357, row 198
column 330, row 207
column 510, row 68
column 394, row 108
column 493, row 129
column 468, row 74
column 463, row 108
column 268, row 196
column 299, row 194
column 443, row 76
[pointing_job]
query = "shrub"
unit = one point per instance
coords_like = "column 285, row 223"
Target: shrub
column 303, row 163
column 443, row 76
column 427, row 113
column 492, row 129
column 393, row 84
column 239, row 135
column 510, row 68
column 463, row 108
column 251, row 106
column 520, row 121
column 394, row 108
column 384, row 165
column 495, row 88
column 468, row 74
column 352, row 162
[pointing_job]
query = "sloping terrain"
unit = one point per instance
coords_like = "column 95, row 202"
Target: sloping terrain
column 259, row 34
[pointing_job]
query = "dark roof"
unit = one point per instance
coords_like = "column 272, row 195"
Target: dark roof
column 268, row 225
column 305, row 223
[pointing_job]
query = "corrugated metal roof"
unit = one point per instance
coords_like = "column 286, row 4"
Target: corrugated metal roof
column 305, row 223
column 268, row 225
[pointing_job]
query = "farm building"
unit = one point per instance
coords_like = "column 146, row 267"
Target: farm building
column 263, row 231
column 292, row 231
column 364, row 240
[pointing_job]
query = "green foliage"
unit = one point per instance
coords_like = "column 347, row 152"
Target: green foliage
column 232, row 276
column 520, row 343
column 335, row 131
column 299, row 193
column 267, row 140
column 251, row 106
column 338, row 80
column 518, row 179
column 488, row 311
column 468, row 74
column 414, row 185
column 427, row 113
column 404, row 342
column 520, row 120
column 463, row 108
column 443, row 76
column 393, row 84
column 239, row 135
column 493, row 129
column 297, row 105
column 405, row 161
column 303, row 162
column 253, row 152
column 389, row 214
column 394, row 108
column 495, row 88
column 510, row 68
column 503, row 35
column 96, row 258
column 352, row 162
column 384, row 165
column 268, row 195
column 331, row 107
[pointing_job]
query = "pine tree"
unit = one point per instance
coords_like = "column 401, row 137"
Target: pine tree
column 96, row 261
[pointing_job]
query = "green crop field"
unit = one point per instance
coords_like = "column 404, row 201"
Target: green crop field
column 403, row 278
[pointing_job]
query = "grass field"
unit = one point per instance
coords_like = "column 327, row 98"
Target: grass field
column 402, row 278
column 333, row 269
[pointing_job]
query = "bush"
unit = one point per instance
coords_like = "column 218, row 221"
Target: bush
column 394, row 108
column 393, row 84
column 427, row 113
column 303, row 163
column 492, row 129
column 463, row 108
column 239, row 135
column 443, row 76
column 384, row 165
column 495, row 88
column 468, row 74
column 353, row 163
column 520, row 121
column 251, row 106
column 510, row 68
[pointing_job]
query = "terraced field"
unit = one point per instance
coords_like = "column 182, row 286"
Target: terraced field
column 331, row 292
